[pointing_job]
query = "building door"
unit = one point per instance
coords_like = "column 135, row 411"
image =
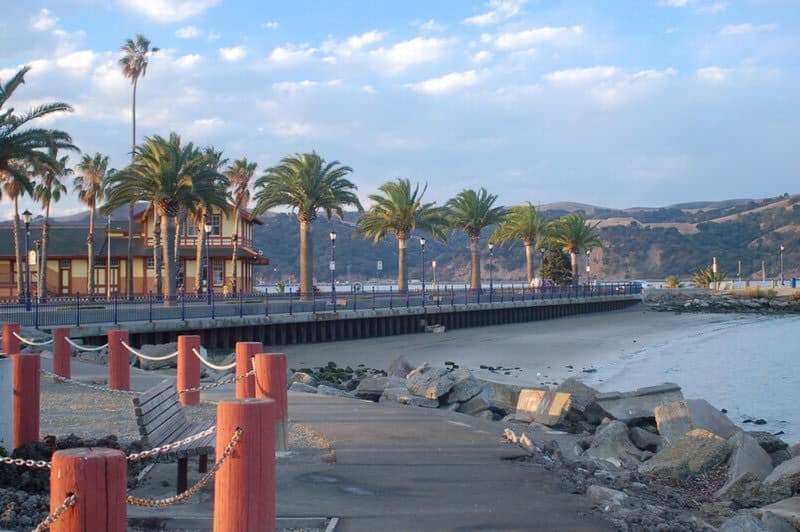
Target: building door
column 65, row 276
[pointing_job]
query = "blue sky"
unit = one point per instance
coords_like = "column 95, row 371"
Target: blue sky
column 617, row 103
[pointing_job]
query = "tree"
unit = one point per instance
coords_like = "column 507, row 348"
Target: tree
column 239, row 175
column 471, row 211
column 166, row 174
column 556, row 265
column 199, row 208
column 134, row 66
column 522, row 222
column 306, row 183
column 90, row 188
column 21, row 146
column 705, row 278
column 574, row 234
column 400, row 210
column 672, row 281
column 47, row 191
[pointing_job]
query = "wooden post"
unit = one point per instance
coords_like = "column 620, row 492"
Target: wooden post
column 244, row 487
column 245, row 351
column 188, row 369
column 10, row 342
column 271, row 383
column 62, row 353
column 98, row 477
column 119, row 371
column 25, row 383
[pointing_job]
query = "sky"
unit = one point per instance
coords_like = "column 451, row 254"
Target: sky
column 615, row 103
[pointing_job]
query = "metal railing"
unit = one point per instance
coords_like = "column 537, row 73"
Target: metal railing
column 82, row 310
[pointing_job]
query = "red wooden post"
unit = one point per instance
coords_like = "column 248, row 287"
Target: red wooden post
column 188, row 369
column 61, row 352
column 98, row 478
column 10, row 342
column 25, row 383
column 119, row 371
column 244, row 487
column 245, row 351
column 271, row 383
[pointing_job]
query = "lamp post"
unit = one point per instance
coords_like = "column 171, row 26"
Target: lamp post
column 207, row 231
column 332, row 265
column 422, row 262
column 433, row 265
column 491, row 271
column 26, row 217
column 588, row 267
column 782, row 248
column 542, row 251
column 38, row 245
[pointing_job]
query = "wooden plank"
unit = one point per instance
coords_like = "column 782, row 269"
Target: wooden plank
column 156, row 395
column 165, row 434
column 165, row 412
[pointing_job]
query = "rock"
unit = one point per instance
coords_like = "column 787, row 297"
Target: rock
column 605, row 497
column 300, row 387
column 611, row 443
column 632, row 406
column 403, row 396
column 305, row 378
column 676, row 419
column 400, row 367
column 788, row 509
column 323, row 389
column 493, row 396
column 547, row 408
column 747, row 459
column 465, row 388
column 786, row 475
column 156, row 350
column 743, row 523
column 775, row 523
column 487, row 414
column 582, row 395
column 696, row 453
column 646, row 440
column 430, row 383
column 768, row 441
column 371, row 388
column 780, row 456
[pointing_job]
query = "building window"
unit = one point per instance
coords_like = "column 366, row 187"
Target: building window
column 218, row 270
column 151, row 263
column 191, row 228
column 215, row 220
column 101, row 262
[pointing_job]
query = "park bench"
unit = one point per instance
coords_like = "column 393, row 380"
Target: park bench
column 162, row 420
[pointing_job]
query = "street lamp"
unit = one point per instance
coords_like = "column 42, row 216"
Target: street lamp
column 422, row 253
column 542, row 251
column 491, row 271
column 207, row 231
column 26, row 217
column 38, row 257
column 332, row 265
column 588, row 267
column 782, row 248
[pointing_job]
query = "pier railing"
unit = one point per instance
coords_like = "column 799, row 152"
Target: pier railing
column 80, row 310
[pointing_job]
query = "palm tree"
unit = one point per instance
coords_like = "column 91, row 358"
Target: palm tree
column 306, row 183
column 471, row 211
column 47, row 191
column 239, row 175
column 400, row 210
column 21, row 146
column 522, row 222
column 90, row 188
column 166, row 174
column 574, row 234
column 134, row 65
column 198, row 210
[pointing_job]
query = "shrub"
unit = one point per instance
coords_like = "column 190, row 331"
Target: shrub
column 673, row 281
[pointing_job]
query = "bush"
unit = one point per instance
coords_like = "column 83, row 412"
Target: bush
column 759, row 293
column 673, row 281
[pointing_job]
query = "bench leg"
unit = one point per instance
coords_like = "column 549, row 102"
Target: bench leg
column 202, row 466
column 183, row 474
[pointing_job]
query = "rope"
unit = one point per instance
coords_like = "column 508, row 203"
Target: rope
column 170, row 446
column 82, row 348
column 210, row 365
column 90, row 386
column 20, row 462
column 147, row 357
column 229, row 380
column 68, row 503
column 31, row 342
column 191, row 492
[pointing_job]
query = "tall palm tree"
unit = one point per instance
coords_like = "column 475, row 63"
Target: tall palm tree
column 90, row 188
column 47, row 191
column 134, row 66
column 471, row 211
column 400, row 210
column 20, row 146
column 166, row 174
column 198, row 209
column 522, row 222
column 239, row 175
column 574, row 234
column 306, row 183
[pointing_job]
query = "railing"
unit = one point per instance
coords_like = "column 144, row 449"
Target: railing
column 80, row 310
column 213, row 241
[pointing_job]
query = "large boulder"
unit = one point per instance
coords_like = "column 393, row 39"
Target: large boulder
column 605, row 497
column 403, row 396
column 743, row 523
column 646, row 440
column 465, row 388
column 542, row 406
column 305, row 378
column 430, row 383
column 632, row 406
column 582, row 395
column 300, row 387
column 612, row 444
column 788, row 509
column 157, row 350
column 676, row 419
column 400, row 367
column 748, row 461
column 499, row 398
column 768, row 441
column 786, row 476
column 371, row 388
column 696, row 453
column 324, row 389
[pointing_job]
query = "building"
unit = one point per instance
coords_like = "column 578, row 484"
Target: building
column 67, row 253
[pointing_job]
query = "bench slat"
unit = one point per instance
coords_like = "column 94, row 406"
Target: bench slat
column 166, row 412
column 153, row 397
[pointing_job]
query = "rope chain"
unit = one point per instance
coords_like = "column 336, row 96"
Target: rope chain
column 82, row 348
column 24, row 463
column 210, row 365
column 147, row 357
column 170, row 446
column 229, row 380
column 68, row 503
column 191, row 492
column 84, row 385
column 31, row 342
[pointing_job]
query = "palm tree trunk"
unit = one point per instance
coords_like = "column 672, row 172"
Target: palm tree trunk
column 475, row 263
column 90, row 251
column 157, row 263
column 402, row 275
column 529, row 261
column 199, row 238
column 129, row 257
column 41, row 285
column 17, row 251
column 168, row 228
column 234, row 262
column 305, row 259
column 573, row 259
column 178, row 225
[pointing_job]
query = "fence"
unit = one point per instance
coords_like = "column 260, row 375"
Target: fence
column 80, row 310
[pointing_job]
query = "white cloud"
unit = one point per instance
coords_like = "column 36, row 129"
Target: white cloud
column 233, row 54
column 352, row 44
column 455, row 81
column 169, row 10
column 187, row 61
column 747, row 28
column 623, row 88
column 76, row 62
column 480, row 57
column 579, row 76
column 271, row 25
column 44, row 20
column 369, row 89
column 291, row 129
column 295, row 86
column 291, row 54
column 675, row 3
column 404, row 54
column 713, row 74
column 533, row 36
column 430, row 26
column 712, row 8
column 499, row 10
column 187, row 32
